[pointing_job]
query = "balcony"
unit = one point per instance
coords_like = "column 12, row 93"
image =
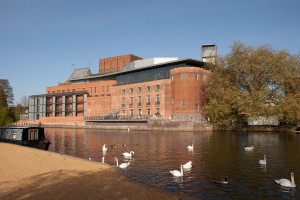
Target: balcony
column 131, row 105
column 157, row 103
column 123, row 105
column 148, row 104
column 139, row 104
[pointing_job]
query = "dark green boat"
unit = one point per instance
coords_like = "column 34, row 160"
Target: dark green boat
column 25, row 136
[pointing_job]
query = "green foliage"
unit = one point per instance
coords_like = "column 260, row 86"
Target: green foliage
column 4, row 84
column 5, row 118
column 251, row 82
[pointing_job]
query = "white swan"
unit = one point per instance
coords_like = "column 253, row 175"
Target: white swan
column 187, row 165
column 123, row 165
column 264, row 161
column 190, row 147
column 287, row 183
column 128, row 155
column 104, row 148
column 177, row 173
column 249, row 148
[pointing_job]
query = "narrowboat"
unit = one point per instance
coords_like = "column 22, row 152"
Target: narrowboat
column 25, row 136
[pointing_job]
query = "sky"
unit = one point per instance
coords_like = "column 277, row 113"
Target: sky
column 43, row 41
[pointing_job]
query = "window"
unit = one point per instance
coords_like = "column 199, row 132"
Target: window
column 148, row 99
column 197, row 106
column 197, row 76
column 157, row 99
column 148, row 112
column 157, row 113
column 140, row 112
column 157, row 87
column 183, row 76
column 131, row 90
column 123, row 102
column 123, row 91
column 183, row 103
column 131, row 112
column 172, row 100
column 148, row 88
column 139, row 100
column 139, row 89
column 172, row 78
column 131, row 101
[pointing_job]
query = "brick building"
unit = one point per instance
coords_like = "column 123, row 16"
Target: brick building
column 125, row 86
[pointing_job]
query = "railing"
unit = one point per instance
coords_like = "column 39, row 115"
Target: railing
column 148, row 103
column 139, row 104
column 116, row 117
column 157, row 103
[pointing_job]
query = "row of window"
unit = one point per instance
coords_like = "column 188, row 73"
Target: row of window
column 139, row 89
column 139, row 99
column 183, row 77
column 140, row 112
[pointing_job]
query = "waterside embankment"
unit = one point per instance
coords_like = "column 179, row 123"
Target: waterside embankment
column 28, row 173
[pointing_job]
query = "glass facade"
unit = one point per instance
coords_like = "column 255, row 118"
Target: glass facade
column 146, row 75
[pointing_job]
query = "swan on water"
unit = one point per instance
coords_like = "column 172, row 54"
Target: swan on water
column 128, row 155
column 249, row 148
column 177, row 173
column 220, row 181
column 123, row 165
column 190, row 147
column 104, row 148
column 287, row 183
column 264, row 161
column 187, row 165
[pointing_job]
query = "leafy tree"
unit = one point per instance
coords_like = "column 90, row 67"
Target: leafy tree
column 251, row 82
column 5, row 118
column 4, row 84
column 3, row 101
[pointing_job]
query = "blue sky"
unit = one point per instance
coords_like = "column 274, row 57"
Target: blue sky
column 42, row 41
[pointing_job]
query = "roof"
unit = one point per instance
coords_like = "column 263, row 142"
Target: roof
column 130, row 70
column 80, row 73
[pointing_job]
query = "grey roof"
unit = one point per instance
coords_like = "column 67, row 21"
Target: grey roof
column 80, row 73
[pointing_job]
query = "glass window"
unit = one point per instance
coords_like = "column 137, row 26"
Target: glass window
column 197, row 76
column 148, row 99
column 139, row 99
column 183, row 76
column 131, row 112
column 139, row 89
column 172, row 78
column 131, row 100
column 148, row 88
column 197, row 106
column 148, row 112
column 123, row 101
column 157, row 87
column 157, row 98
column 131, row 90
column 123, row 91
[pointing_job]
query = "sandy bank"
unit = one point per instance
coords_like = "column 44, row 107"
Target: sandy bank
column 27, row 173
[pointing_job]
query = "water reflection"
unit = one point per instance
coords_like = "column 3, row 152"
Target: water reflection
column 214, row 155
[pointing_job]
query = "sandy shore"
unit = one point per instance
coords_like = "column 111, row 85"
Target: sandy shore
column 27, row 173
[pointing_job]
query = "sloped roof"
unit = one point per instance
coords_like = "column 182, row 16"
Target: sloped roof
column 80, row 73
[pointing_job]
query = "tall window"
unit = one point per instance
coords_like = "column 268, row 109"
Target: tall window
column 131, row 90
column 157, row 99
column 131, row 101
column 131, row 112
column 148, row 99
column 148, row 88
column 197, row 76
column 172, row 78
column 197, row 106
column 139, row 89
column 148, row 112
column 123, row 91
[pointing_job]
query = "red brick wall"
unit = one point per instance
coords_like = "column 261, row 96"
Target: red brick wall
column 190, row 89
column 116, row 63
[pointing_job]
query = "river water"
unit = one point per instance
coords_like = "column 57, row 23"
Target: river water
column 215, row 154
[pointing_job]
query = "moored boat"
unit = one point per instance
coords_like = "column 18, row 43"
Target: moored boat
column 25, row 136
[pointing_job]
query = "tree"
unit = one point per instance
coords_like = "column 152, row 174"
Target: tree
column 250, row 82
column 4, row 84
column 3, row 101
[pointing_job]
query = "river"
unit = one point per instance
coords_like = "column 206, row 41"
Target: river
column 215, row 154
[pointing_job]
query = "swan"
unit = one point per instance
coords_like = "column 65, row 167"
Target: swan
column 123, row 165
column 287, row 183
column 177, row 173
column 264, row 161
column 220, row 181
column 190, row 147
column 128, row 155
column 104, row 148
column 249, row 148
column 187, row 165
